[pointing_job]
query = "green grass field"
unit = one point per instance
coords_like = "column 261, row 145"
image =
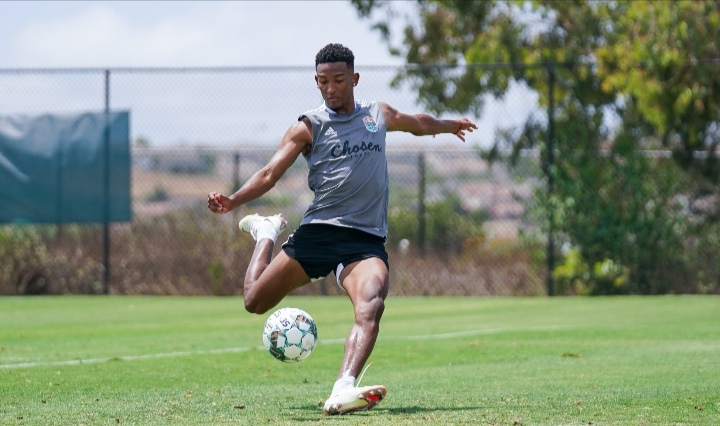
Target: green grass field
column 446, row 361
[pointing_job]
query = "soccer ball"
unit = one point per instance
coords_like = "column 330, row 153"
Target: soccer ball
column 290, row 334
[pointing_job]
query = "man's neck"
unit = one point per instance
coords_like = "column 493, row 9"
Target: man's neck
column 346, row 109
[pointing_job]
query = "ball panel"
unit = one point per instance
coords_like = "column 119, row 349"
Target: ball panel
column 294, row 336
column 308, row 342
column 292, row 352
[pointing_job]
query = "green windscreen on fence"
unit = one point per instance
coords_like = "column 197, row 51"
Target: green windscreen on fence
column 65, row 168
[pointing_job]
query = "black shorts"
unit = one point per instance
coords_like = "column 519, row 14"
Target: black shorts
column 320, row 248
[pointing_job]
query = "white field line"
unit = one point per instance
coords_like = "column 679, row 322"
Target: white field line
column 248, row 348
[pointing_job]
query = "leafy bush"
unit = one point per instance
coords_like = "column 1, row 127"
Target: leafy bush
column 447, row 226
column 45, row 259
column 575, row 277
column 22, row 270
column 159, row 193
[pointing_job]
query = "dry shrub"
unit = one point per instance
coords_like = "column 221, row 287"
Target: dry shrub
column 472, row 273
column 191, row 252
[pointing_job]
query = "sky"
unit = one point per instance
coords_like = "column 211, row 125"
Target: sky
column 38, row 34
column 182, row 108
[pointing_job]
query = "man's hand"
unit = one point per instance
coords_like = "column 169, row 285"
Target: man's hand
column 464, row 125
column 218, row 203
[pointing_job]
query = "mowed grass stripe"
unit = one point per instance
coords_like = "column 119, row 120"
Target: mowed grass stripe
column 249, row 348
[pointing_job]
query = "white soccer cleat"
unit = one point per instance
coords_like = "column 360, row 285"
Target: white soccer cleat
column 252, row 222
column 354, row 399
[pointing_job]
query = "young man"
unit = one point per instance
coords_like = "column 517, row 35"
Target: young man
column 345, row 228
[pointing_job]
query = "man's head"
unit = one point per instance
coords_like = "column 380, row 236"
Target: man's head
column 335, row 77
column 335, row 52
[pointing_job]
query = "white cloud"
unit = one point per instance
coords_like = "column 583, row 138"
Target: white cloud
column 120, row 34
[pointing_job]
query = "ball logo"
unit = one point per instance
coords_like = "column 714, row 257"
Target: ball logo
column 370, row 124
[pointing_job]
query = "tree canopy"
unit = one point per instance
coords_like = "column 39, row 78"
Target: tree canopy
column 655, row 65
column 651, row 69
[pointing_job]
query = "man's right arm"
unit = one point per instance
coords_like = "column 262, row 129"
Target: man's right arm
column 297, row 140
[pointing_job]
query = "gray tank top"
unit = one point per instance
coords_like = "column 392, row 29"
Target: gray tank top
column 348, row 168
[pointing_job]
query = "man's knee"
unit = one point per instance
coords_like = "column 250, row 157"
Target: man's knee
column 255, row 305
column 371, row 310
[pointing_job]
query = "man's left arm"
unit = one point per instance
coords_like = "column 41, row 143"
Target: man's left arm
column 424, row 124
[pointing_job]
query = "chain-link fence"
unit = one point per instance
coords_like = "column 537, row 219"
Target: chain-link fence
column 459, row 225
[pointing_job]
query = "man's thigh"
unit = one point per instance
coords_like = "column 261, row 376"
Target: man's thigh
column 366, row 279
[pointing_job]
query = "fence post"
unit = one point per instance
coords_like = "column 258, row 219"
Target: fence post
column 236, row 172
column 60, row 191
column 421, row 203
column 106, row 190
column 550, row 180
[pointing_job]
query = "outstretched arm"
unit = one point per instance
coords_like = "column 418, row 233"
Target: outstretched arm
column 425, row 124
column 298, row 139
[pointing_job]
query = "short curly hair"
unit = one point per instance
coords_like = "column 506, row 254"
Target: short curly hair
column 335, row 52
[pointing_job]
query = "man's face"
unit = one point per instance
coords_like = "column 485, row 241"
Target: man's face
column 335, row 81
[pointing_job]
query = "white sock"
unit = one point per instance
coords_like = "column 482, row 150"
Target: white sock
column 343, row 383
column 265, row 229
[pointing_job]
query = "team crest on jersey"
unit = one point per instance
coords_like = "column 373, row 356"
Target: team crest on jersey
column 370, row 124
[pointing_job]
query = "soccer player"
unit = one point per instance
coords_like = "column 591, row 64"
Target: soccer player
column 345, row 228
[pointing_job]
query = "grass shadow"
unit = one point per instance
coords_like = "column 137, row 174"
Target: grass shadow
column 314, row 412
column 420, row 410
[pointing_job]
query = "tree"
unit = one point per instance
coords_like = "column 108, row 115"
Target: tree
column 142, row 142
column 652, row 67
column 662, row 57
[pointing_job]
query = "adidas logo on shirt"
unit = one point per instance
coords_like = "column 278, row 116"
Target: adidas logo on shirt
column 330, row 132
